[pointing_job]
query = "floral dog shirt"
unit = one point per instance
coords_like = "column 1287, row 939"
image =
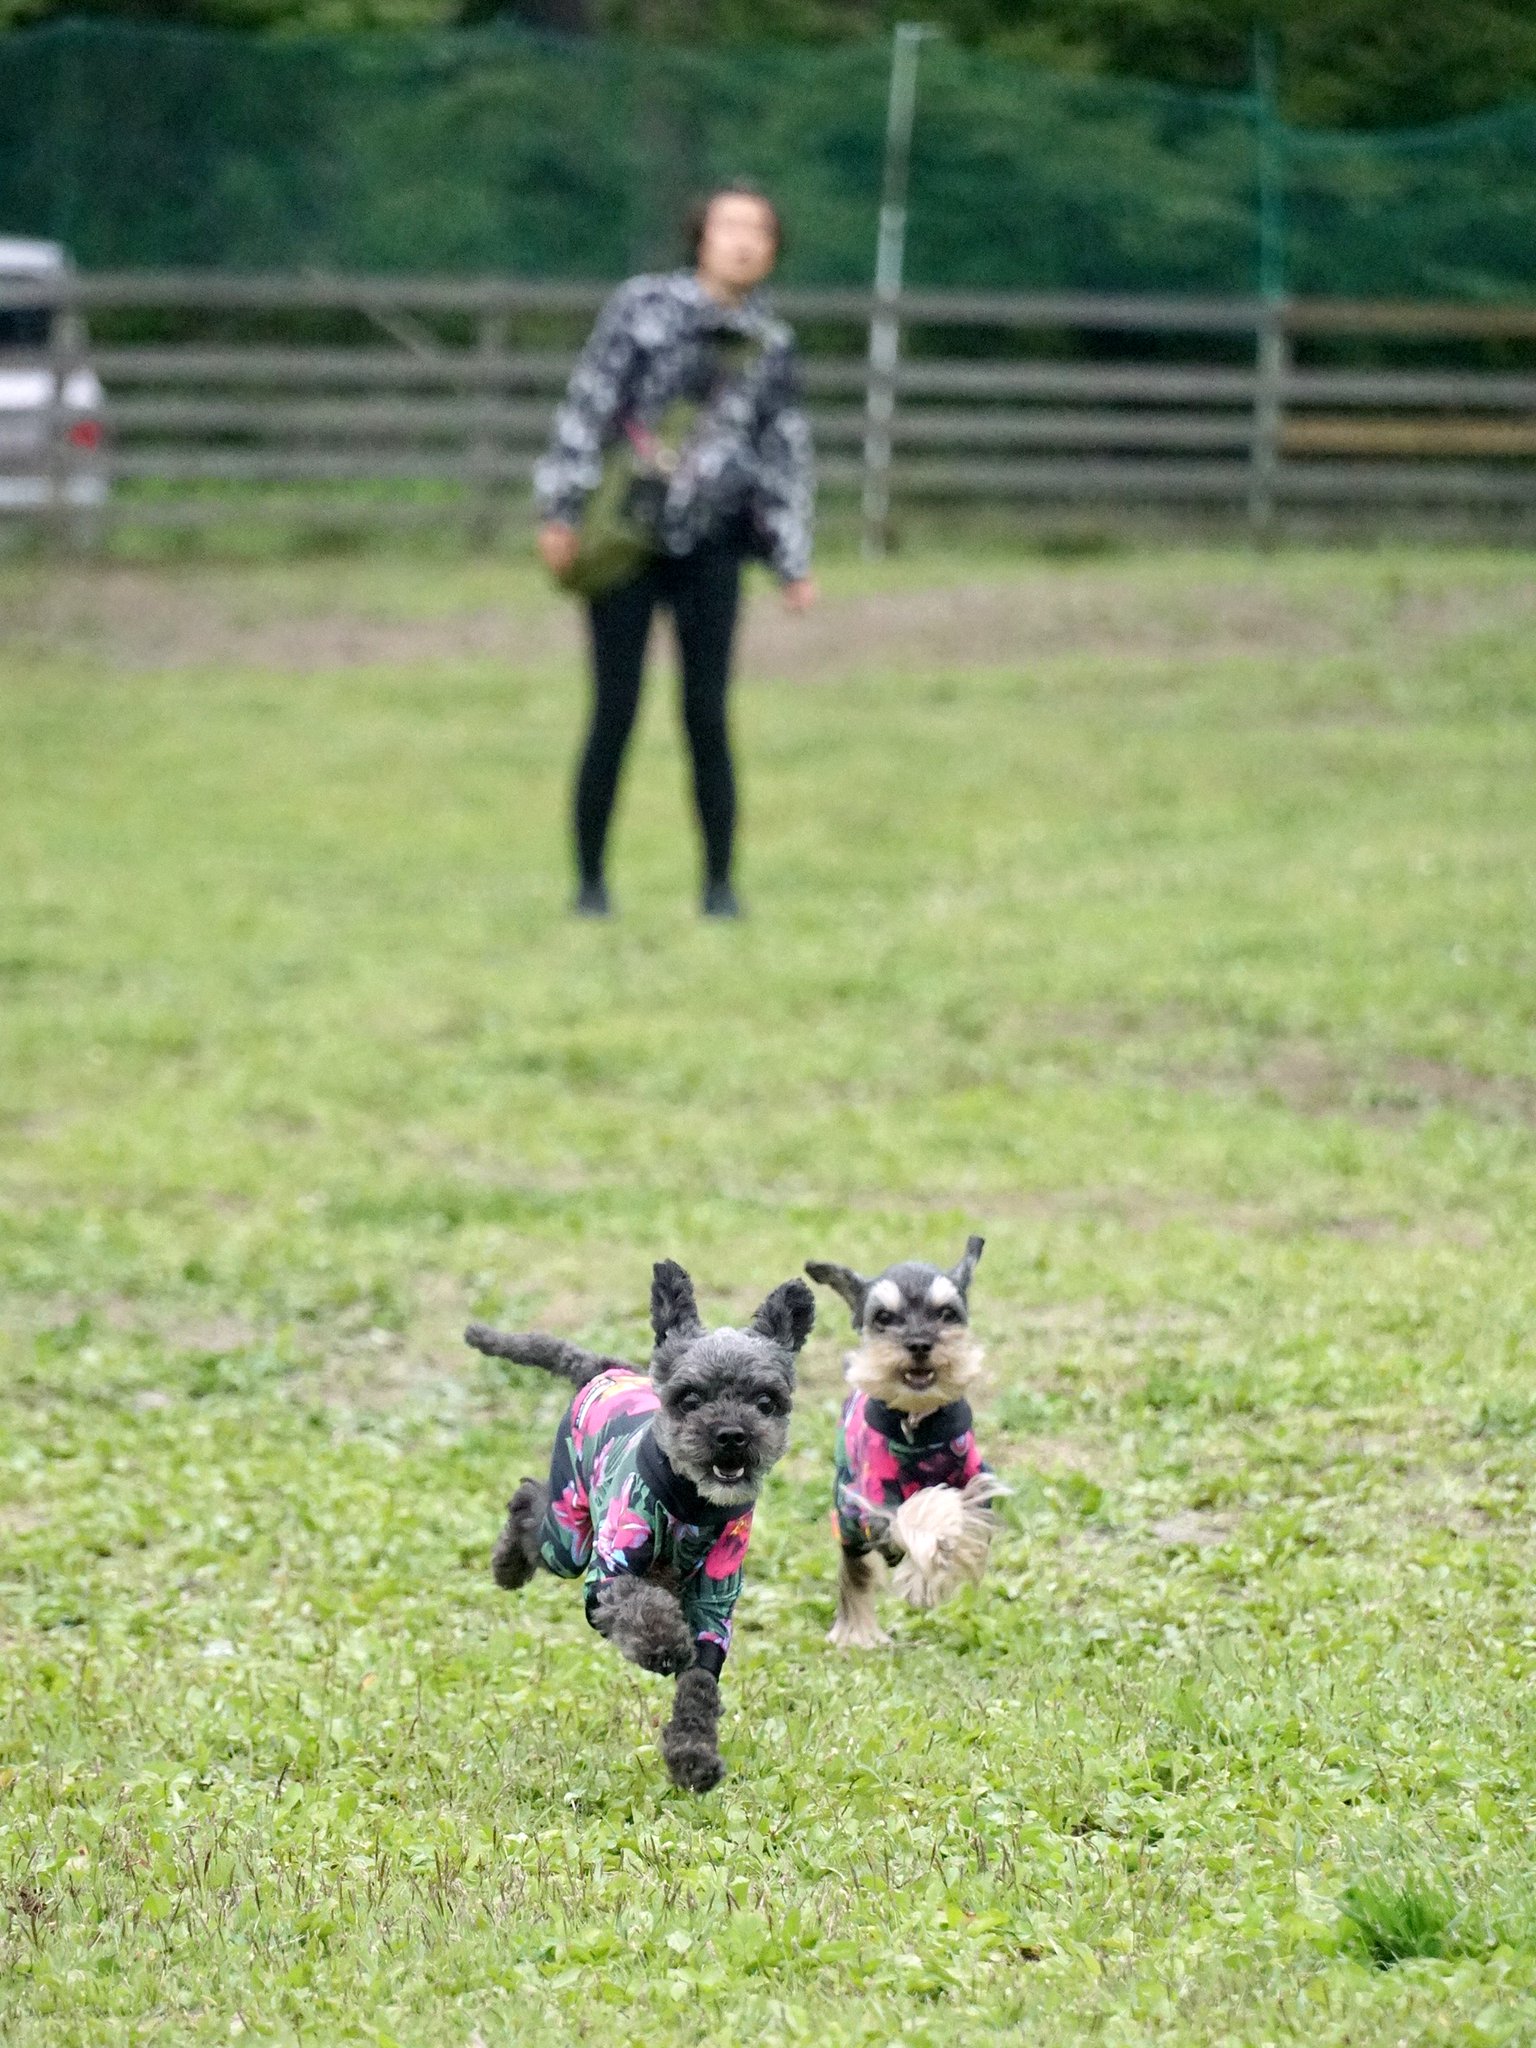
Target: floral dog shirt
column 884, row 1457
column 617, row 1509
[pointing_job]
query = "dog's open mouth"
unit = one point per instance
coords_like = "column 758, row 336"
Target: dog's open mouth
column 918, row 1377
column 727, row 1474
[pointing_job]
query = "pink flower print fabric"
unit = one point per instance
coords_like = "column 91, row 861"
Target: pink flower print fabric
column 883, row 1458
column 571, row 1510
column 623, row 1529
column 613, row 1397
column 728, row 1552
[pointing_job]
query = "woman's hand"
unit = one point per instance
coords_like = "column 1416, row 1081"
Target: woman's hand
column 800, row 595
column 557, row 546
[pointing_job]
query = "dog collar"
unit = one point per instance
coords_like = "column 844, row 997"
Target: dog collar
column 677, row 1494
column 941, row 1427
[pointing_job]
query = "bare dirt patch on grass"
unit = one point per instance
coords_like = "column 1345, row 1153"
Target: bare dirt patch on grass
column 134, row 618
column 1148, row 1211
column 1194, row 1529
column 377, row 1378
column 1035, row 615
column 1048, row 1457
column 1313, row 1081
column 19, row 1520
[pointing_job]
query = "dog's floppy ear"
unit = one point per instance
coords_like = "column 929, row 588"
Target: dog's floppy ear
column 674, row 1312
column 850, row 1285
column 787, row 1315
column 961, row 1274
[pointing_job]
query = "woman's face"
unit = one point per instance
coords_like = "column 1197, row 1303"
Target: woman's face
column 739, row 243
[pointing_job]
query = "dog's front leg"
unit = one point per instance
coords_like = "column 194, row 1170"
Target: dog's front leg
column 689, row 1741
column 856, row 1626
column 644, row 1623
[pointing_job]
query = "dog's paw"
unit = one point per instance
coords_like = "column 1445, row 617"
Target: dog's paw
column 516, row 1555
column 667, row 1659
column 857, row 1635
column 692, row 1766
column 645, row 1624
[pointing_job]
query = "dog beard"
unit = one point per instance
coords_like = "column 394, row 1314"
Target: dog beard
column 739, row 1495
column 688, row 1451
column 945, row 1533
column 878, row 1366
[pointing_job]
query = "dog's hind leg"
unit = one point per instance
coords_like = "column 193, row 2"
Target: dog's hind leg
column 856, row 1626
column 689, row 1742
column 515, row 1558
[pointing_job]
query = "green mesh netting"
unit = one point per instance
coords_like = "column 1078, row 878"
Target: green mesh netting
column 499, row 151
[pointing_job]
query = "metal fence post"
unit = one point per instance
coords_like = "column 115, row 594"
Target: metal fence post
column 1272, row 351
column 890, row 256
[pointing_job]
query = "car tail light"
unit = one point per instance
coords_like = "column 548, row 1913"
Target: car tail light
column 85, row 434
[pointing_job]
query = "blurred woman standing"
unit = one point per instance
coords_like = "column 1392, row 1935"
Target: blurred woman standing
column 738, row 485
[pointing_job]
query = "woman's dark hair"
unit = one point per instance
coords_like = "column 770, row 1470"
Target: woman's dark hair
column 697, row 217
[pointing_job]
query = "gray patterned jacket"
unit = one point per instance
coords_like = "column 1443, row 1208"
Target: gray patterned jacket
column 749, row 455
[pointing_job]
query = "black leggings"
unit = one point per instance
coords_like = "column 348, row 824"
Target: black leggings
column 702, row 591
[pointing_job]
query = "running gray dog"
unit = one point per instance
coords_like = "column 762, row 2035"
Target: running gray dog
column 651, row 1487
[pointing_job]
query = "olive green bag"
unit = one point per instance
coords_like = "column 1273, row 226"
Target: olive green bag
column 621, row 526
column 622, row 520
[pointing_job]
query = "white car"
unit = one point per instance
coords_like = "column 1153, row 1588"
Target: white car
column 52, row 439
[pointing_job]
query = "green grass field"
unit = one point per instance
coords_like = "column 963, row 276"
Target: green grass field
column 1171, row 919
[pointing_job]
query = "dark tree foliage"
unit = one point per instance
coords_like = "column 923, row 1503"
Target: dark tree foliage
column 1343, row 63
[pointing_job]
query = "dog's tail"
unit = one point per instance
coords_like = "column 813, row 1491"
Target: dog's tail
column 549, row 1354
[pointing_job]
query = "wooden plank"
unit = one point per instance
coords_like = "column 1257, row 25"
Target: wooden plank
column 230, row 291
column 1105, row 383
column 548, row 369
column 1493, row 391
column 1095, row 312
column 289, row 291
column 311, row 507
column 1144, row 482
column 1072, row 479
column 306, row 465
column 1043, row 427
column 1349, row 434
column 1396, row 483
column 1410, row 318
column 1077, row 480
column 362, row 418
column 1102, row 312
column 1430, row 486
column 388, row 421
column 1041, row 484
column 456, row 369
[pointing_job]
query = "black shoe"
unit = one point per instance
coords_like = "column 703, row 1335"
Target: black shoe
column 592, row 901
column 720, row 900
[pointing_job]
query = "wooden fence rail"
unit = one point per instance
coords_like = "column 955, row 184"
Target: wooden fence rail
column 1064, row 410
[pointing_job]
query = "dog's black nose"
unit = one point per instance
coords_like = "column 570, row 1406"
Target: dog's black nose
column 730, row 1439
column 919, row 1348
